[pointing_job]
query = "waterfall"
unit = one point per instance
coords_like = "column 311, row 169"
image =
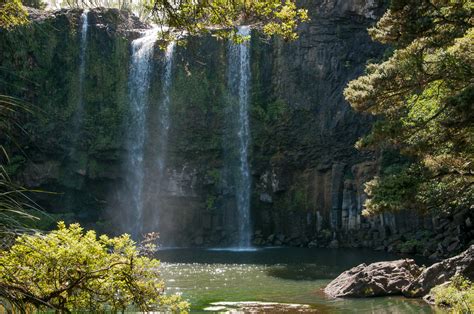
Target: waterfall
column 78, row 115
column 156, row 218
column 138, row 86
column 239, row 86
column 164, row 110
column 73, row 164
column 82, row 56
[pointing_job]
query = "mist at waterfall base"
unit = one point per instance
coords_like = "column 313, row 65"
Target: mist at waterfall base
column 138, row 201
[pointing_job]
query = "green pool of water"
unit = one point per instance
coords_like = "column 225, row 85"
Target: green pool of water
column 283, row 275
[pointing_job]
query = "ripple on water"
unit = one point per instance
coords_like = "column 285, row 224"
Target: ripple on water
column 289, row 282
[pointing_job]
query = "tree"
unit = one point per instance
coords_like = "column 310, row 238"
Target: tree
column 69, row 269
column 12, row 14
column 176, row 17
column 423, row 95
column 274, row 17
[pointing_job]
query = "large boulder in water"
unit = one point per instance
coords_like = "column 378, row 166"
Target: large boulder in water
column 377, row 279
column 439, row 273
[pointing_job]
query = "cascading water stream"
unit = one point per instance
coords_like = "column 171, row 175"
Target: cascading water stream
column 164, row 110
column 239, row 85
column 155, row 212
column 82, row 64
column 138, row 85
column 78, row 115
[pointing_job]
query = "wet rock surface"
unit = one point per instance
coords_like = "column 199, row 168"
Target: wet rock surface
column 377, row 279
column 400, row 277
column 439, row 273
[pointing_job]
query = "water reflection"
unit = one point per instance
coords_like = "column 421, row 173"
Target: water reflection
column 283, row 275
column 302, row 271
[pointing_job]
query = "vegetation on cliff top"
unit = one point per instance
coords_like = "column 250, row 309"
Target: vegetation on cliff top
column 273, row 17
column 12, row 13
column 423, row 95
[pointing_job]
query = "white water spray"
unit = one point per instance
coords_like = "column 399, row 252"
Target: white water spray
column 82, row 56
column 164, row 110
column 239, row 83
column 138, row 85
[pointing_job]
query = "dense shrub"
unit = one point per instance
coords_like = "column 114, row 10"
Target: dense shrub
column 69, row 269
column 458, row 295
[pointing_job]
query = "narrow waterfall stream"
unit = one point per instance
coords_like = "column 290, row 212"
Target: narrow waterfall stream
column 164, row 110
column 74, row 151
column 138, row 85
column 79, row 112
column 156, row 176
column 239, row 86
column 82, row 60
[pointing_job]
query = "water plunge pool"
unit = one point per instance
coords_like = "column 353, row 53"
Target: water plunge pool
column 213, row 280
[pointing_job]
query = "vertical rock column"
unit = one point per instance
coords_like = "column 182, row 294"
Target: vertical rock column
column 337, row 184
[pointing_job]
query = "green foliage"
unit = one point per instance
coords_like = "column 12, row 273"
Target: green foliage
column 458, row 295
column 211, row 202
column 271, row 112
column 37, row 4
column 17, row 210
column 423, row 95
column 12, row 14
column 69, row 269
column 368, row 291
column 14, row 164
column 273, row 17
column 411, row 246
column 215, row 175
column 41, row 68
column 394, row 190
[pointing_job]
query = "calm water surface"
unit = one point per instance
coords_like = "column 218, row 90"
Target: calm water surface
column 283, row 275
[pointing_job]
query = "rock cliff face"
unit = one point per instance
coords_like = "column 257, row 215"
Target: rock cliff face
column 307, row 177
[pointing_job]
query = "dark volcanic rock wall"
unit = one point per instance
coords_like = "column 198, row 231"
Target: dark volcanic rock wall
column 303, row 159
column 310, row 149
column 307, row 176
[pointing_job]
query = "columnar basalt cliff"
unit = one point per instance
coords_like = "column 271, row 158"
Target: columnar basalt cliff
column 307, row 177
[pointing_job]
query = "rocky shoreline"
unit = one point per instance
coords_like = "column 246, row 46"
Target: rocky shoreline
column 400, row 277
column 447, row 236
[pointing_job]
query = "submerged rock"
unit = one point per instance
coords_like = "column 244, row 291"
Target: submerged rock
column 259, row 307
column 439, row 273
column 377, row 279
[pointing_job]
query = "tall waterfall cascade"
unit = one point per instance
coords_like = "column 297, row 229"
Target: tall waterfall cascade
column 147, row 137
column 74, row 160
column 81, row 75
column 156, row 178
column 239, row 87
column 138, row 88
column 164, row 110
column 82, row 56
